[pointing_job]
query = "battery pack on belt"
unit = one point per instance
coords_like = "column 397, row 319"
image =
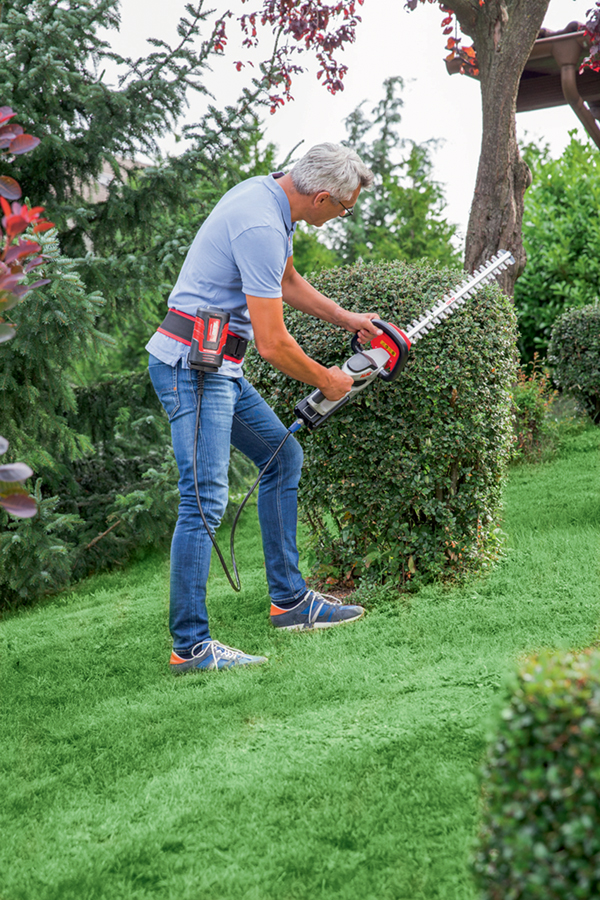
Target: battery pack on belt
column 180, row 326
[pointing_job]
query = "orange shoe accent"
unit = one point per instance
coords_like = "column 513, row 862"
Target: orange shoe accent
column 175, row 659
column 275, row 611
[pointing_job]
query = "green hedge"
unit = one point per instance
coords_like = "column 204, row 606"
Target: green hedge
column 405, row 482
column 574, row 352
column 541, row 830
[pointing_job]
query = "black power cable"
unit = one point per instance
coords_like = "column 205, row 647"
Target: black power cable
column 236, row 585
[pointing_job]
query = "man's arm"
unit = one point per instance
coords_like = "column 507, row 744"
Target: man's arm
column 297, row 292
column 277, row 346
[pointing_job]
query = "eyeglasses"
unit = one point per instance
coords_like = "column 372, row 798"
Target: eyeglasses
column 348, row 213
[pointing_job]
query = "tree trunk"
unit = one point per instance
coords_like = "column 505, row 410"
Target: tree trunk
column 503, row 32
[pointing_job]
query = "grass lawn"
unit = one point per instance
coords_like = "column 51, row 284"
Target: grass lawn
column 345, row 768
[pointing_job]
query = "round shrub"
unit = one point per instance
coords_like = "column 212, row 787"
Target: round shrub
column 574, row 353
column 404, row 483
column 540, row 835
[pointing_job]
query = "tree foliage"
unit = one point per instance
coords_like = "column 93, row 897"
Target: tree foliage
column 402, row 218
column 561, row 232
column 53, row 65
column 133, row 240
column 309, row 25
column 593, row 32
column 503, row 32
column 18, row 256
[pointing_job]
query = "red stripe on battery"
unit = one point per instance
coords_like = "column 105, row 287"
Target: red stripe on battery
column 223, row 339
column 198, row 333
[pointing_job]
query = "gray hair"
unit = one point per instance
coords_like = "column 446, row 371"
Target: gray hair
column 333, row 168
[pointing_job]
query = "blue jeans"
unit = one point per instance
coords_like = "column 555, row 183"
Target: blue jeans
column 232, row 413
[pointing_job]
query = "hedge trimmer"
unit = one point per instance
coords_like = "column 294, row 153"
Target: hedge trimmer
column 385, row 358
column 388, row 352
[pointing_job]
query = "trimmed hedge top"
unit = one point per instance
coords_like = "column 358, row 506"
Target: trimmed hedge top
column 404, row 483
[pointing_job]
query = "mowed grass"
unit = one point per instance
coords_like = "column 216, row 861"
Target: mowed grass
column 345, row 768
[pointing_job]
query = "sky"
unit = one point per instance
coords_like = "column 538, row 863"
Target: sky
column 389, row 41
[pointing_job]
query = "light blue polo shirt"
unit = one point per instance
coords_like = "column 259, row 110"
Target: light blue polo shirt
column 242, row 248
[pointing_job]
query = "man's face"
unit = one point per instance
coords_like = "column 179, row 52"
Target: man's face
column 326, row 207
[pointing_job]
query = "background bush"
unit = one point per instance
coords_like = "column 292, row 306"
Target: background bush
column 405, row 482
column 541, row 827
column 574, row 352
column 561, row 234
column 532, row 398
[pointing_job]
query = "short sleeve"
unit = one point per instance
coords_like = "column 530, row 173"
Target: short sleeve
column 260, row 254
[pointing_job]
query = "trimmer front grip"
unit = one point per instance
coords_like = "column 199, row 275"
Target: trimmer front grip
column 394, row 342
column 311, row 417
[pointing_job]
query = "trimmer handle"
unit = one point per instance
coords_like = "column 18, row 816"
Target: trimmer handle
column 394, row 342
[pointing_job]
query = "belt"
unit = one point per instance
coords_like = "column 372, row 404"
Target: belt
column 180, row 326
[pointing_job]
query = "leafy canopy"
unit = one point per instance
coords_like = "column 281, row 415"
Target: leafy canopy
column 561, row 234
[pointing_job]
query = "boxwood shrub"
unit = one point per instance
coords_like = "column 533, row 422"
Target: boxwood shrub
column 404, row 483
column 540, row 836
column 574, row 353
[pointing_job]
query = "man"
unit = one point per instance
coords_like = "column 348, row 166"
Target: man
column 241, row 261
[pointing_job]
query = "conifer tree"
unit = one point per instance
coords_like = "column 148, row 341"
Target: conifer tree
column 403, row 217
column 53, row 69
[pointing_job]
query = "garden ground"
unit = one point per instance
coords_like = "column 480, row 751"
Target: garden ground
column 345, row 768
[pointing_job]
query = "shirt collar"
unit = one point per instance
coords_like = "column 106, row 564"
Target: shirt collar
column 281, row 197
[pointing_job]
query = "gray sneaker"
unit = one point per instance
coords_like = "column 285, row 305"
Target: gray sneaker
column 212, row 655
column 315, row 611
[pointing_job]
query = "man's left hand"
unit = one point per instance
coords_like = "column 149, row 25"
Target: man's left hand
column 362, row 325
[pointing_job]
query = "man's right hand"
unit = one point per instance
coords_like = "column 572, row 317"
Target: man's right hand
column 337, row 384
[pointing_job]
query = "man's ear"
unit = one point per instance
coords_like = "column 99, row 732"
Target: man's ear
column 321, row 197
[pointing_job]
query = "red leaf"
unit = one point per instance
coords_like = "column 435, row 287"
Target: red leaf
column 9, row 188
column 36, row 284
column 12, row 129
column 20, row 505
column 23, row 248
column 9, row 282
column 43, row 226
column 14, row 225
column 23, row 144
column 6, row 113
column 33, row 264
column 15, row 472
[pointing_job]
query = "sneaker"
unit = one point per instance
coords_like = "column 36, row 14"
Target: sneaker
column 212, row 655
column 315, row 611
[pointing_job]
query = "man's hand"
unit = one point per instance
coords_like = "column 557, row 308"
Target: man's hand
column 337, row 384
column 361, row 324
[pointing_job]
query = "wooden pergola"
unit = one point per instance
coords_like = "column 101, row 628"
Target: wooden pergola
column 551, row 78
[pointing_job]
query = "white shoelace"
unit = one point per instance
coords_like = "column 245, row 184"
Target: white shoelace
column 218, row 650
column 321, row 599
